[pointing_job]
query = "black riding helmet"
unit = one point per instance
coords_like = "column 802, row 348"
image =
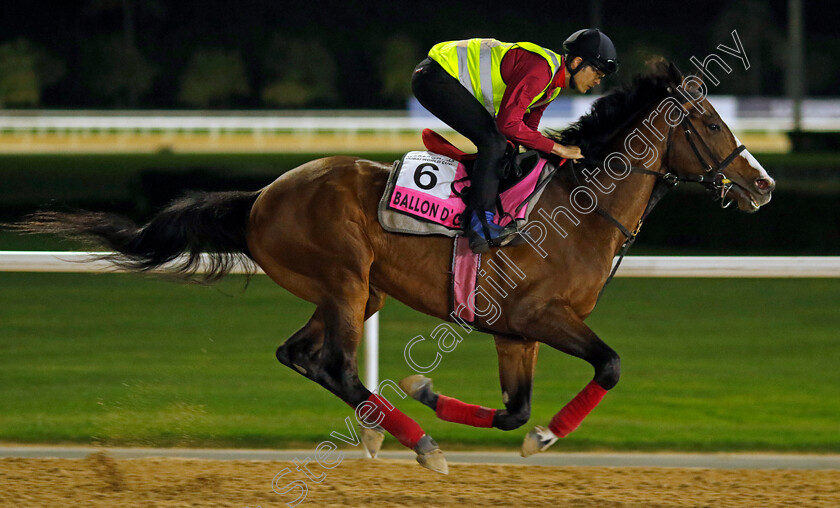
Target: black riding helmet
column 594, row 48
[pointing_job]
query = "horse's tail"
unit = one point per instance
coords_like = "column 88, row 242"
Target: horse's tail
column 213, row 223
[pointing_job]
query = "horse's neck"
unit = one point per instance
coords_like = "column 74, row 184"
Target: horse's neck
column 630, row 198
column 624, row 199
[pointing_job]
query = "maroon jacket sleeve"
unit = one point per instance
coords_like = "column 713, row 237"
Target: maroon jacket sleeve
column 532, row 119
column 526, row 74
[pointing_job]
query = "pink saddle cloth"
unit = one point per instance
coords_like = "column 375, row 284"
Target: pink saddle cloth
column 465, row 265
column 429, row 187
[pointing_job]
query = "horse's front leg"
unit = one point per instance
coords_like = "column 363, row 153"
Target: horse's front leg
column 517, row 361
column 559, row 326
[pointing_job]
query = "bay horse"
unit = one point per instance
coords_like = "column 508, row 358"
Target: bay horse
column 315, row 232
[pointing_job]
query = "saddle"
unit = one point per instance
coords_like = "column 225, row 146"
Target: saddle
column 427, row 191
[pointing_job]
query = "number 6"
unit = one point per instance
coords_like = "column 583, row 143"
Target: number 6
column 419, row 173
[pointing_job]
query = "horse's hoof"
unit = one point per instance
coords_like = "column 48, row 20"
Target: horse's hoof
column 430, row 456
column 372, row 439
column 415, row 385
column 420, row 389
column 538, row 440
column 434, row 460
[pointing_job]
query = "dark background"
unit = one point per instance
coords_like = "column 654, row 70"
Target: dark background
column 346, row 54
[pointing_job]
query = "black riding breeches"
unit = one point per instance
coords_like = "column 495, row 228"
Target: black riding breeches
column 447, row 99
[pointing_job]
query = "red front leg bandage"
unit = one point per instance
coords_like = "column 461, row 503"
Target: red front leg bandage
column 576, row 410
column 453, row 410
column 377, row 410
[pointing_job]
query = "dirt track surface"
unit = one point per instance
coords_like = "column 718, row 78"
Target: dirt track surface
column 100, row 480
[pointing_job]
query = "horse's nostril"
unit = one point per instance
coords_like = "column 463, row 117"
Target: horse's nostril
column 764, row 184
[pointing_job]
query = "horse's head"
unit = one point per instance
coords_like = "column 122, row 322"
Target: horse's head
column 703, row 146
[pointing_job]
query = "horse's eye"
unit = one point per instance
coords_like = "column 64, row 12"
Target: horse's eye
column 714, row 127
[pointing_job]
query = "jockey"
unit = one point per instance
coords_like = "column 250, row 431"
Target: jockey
column 492, row 91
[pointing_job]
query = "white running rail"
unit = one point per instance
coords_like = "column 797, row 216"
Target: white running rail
column 633, row 266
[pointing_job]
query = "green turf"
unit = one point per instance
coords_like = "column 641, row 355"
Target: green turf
column 707, row 365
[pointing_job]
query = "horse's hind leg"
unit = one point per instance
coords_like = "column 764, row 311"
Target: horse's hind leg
column 299, row 349
column 338, row 364
column 337, row 325
column 517, row 361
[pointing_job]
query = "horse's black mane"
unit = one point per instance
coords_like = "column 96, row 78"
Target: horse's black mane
column 593, row 130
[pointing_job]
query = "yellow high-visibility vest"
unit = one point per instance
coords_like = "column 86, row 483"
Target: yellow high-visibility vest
column 476, row 63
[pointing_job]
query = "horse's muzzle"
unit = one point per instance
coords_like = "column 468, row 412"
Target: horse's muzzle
column 764, row 185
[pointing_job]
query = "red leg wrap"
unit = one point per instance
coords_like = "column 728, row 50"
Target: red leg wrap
column 453, row 410
column 575, row 411
column 406, row 430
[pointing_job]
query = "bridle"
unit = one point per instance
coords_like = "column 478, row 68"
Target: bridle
column 713, row 179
